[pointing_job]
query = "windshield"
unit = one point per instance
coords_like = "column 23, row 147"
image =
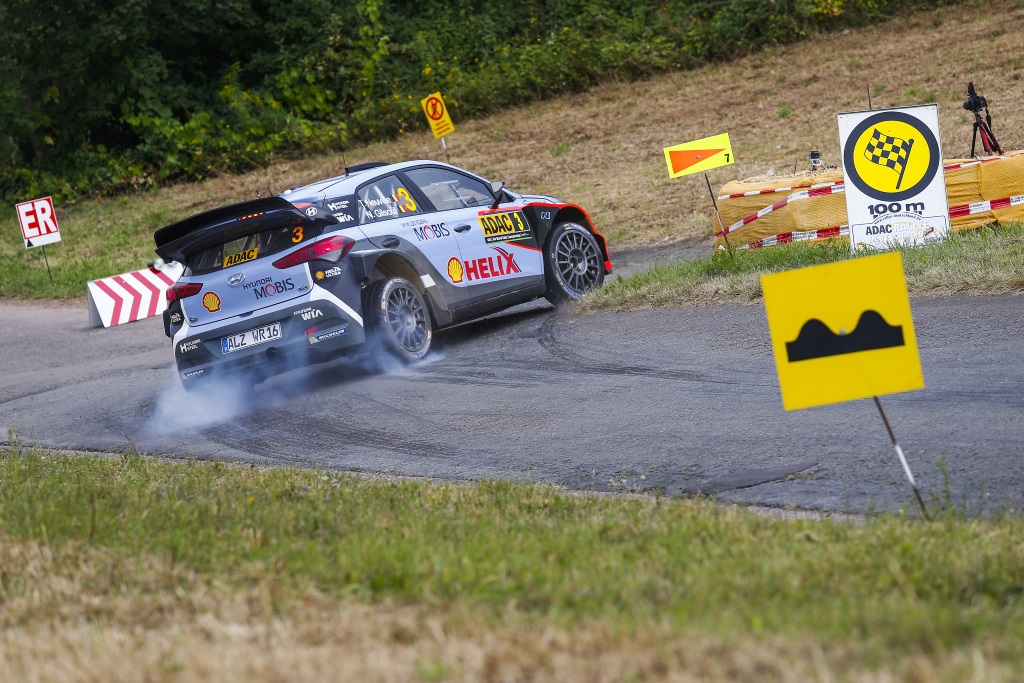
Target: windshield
column 250, row 247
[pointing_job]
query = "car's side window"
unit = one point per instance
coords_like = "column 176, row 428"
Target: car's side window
column 449, row 190
column 384, row 199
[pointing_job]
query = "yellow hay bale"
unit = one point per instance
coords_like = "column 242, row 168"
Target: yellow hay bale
column 788, row 208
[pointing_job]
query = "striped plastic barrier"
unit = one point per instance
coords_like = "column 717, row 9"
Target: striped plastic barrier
column 131, row 296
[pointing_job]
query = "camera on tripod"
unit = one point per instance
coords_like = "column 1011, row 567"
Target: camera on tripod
column 975, row 102
column 982, row 126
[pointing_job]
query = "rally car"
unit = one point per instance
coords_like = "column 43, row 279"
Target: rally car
column 385, row 252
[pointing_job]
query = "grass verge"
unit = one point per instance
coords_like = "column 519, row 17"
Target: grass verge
column 988, row 260
column 203, row 571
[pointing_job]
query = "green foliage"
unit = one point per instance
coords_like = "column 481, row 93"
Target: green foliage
column 108, row 96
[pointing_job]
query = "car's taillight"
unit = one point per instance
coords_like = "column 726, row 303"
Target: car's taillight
column 332, row 249
column 183, row 290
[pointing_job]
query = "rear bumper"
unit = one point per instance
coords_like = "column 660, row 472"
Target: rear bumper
column 311, row 331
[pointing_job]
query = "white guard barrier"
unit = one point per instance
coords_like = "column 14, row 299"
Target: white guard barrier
column 131, row 296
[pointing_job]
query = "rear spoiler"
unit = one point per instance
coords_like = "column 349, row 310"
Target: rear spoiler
column 191, row 234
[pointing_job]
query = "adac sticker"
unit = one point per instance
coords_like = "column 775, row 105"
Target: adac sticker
column 507, row 226
column 240, row 257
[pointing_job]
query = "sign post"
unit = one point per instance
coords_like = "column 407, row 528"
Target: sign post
column 437, row 116
column 895, row 183
column 39, row 226
column 700, row 156
column 844, row 331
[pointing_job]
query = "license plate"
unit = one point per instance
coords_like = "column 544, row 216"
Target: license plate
column 244, row 340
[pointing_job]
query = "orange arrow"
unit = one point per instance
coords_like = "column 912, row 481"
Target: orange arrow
column 684, row 159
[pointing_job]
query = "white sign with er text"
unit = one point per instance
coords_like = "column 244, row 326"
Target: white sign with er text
column 38, row 222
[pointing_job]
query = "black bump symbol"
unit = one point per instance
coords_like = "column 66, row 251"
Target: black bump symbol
column 816, row 340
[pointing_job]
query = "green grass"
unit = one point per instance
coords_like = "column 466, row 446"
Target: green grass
column 892, row 585
column 98, row 239
column 988, row 260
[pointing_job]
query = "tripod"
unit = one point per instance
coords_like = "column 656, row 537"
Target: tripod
column 975, row 103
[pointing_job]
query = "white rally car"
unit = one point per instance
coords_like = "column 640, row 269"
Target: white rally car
column 387, row 252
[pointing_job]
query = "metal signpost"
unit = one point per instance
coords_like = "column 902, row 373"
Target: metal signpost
column 437, row 116
column 844, row 331
column 700, row 156
column 39, row 226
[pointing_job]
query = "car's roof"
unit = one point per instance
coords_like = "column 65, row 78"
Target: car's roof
column 357, row 175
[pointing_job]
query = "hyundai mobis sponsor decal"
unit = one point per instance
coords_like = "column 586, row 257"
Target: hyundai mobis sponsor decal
column 501, row 264
column 507, row 226
column 426, row 232
column 266, row 287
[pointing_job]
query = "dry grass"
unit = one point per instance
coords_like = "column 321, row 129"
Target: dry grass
column 615, row 133
column 74, row 623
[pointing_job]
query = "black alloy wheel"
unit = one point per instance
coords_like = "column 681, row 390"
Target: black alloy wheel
column 400, row 319
column 573, row 264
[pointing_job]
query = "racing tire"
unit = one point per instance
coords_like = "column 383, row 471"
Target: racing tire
column 399, row 318
column 573, row 264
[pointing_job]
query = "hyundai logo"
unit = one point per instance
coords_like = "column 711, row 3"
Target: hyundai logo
column 236, row 279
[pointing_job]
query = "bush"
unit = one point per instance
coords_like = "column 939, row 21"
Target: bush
column 142, row 93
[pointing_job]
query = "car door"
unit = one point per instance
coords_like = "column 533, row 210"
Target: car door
column 498, row 248
column 393, row 217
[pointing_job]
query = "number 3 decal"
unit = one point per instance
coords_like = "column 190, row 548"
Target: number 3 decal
column 297, row 234
column 403, row 195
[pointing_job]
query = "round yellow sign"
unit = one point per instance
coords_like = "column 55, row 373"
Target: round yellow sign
column 891, row 156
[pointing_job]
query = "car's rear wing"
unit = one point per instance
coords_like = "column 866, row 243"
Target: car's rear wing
column 189, row 235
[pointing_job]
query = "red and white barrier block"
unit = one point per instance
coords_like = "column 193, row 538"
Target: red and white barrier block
column 131, row 296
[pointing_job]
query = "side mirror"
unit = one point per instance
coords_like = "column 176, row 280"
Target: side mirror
column 496, row 189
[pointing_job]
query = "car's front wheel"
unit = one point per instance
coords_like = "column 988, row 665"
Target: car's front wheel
column 573, row 264
column 399, row 318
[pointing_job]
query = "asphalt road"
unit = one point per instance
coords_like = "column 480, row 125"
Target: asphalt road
column 675, row 400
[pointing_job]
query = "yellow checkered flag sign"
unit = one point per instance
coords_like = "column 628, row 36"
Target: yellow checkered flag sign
column 889, row 151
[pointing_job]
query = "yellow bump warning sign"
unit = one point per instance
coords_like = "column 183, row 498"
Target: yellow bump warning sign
column 699, row 155
column 437, row 115
column 842, row 331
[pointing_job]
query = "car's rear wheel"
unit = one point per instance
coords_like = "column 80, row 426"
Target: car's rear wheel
column 573, row 264
column 399, row 318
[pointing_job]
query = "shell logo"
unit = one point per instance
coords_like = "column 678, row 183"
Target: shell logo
column 455, row 270
column 319, row 275
column 211, row 302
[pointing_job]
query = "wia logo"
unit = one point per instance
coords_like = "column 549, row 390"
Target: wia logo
column 315, row 313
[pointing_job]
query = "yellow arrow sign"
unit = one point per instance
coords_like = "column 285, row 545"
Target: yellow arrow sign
column 842, row 331
column 699, row 155
column 437, row 115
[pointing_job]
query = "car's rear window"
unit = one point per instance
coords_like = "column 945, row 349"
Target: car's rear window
column 250, row 247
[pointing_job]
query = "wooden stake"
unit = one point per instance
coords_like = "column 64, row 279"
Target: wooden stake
column 47, row 261
column 725, row 235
